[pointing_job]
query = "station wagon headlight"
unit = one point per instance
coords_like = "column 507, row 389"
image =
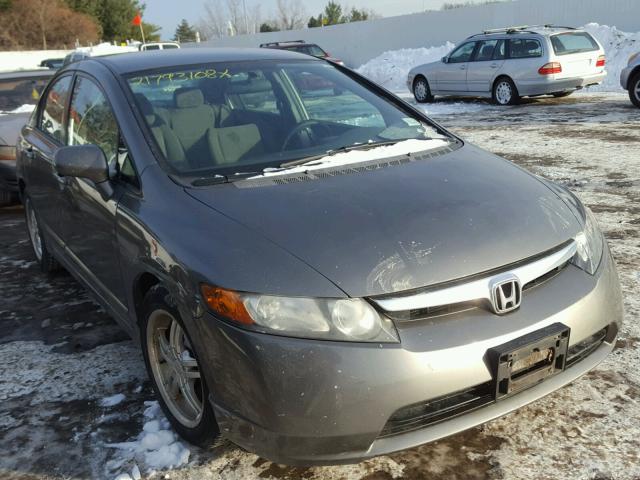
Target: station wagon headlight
column 590, row 244
column 348, row 319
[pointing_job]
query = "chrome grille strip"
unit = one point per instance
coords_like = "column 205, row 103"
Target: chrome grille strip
column 477, row 289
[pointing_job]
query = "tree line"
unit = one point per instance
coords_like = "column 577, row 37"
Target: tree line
column 52, row 24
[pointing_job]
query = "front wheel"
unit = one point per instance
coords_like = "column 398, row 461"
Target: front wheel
column 505, row 92
column 174, row 370
column 48, row 264
column 634, row 90
column 421, row 90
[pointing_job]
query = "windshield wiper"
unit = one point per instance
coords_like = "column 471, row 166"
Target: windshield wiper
column 218, row 179
column 330, row 153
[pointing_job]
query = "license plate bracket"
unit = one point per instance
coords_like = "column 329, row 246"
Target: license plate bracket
column 525, row 361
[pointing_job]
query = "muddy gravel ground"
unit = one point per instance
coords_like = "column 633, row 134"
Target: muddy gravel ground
column 60, row 354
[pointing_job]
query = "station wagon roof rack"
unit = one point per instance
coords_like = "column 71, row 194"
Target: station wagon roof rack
column 275, row 44
column 521, row 29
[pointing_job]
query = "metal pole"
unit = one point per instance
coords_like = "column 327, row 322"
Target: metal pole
column 142, row 33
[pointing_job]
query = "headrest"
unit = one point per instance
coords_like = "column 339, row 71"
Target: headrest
column 188, row 97
column 252, row 85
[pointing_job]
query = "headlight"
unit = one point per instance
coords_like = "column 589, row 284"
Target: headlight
column 590, row 243
column 632, row 58
column 348, row 319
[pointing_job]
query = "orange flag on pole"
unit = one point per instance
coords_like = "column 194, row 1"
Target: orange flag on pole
column 137, row 20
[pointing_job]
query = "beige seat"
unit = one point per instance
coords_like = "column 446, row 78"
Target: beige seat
column 165, row 138
column 190, row 120
column 230, row 145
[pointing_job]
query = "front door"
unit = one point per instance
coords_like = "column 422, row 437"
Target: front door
column 485, row 65
column 89, row 230
column 452, row 76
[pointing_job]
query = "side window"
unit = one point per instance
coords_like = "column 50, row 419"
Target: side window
column 324, row 100
column 485, row 50
column 51, row 120
column 524, row 48
column 500, row 52
column 92, row 121
column 462, row 53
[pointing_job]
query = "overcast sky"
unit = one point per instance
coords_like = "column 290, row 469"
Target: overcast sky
column 167, row 13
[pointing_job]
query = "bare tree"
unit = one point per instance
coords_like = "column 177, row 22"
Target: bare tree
column 229, row 17
column 291, row 14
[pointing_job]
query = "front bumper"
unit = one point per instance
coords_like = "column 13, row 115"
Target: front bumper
column 304, row 402
column 549, row 84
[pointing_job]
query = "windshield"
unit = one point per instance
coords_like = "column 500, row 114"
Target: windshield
column 573, row 42
column 246, row 116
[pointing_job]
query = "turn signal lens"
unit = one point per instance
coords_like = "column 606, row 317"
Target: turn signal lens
column 601, row 61
column 550, row 68
column 226, row 303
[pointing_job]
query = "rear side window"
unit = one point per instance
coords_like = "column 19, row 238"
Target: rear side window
column 485, row 50
column 524, row 48
column 91, row 120
column 52, row 118
column 573, row 42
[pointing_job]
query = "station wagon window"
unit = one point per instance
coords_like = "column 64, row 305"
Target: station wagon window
column 524, row 48
column 52, row 118
column 573, row 42
column 16, row 92
column 91, row 120
column 462, row 53
column 485, row 50
column 500, row 52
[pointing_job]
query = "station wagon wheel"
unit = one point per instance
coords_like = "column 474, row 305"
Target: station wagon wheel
column 505, row 92
column 634, row 90
column 421, row 90
column 45, row 260
column 175, row 371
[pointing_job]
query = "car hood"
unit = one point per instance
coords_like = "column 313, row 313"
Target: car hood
column 10, row 126
column 408, row 226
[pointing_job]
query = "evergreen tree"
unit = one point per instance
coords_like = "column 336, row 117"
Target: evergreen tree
column 332, row 13
column 268, row 27
column 185, row 32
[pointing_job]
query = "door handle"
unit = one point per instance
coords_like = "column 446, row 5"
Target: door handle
column 494, row 65
column 29, row 152
column 462, row 67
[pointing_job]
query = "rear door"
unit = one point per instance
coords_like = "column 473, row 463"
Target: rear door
column 485, row 65
column 578, row 54
column 41, row 140
column 89, row 227
column 452, row 76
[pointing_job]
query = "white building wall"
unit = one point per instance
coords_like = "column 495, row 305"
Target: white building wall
column 356, row 43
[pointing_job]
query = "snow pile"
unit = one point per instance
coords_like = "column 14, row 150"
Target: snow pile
column 112, row 401
column 11, row 61
column 106, row 49
column 391, row 68
column 618, row 47
column 157, row 447
column 355, row 156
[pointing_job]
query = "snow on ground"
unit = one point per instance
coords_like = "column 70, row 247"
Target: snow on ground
column 391, row 68
column 10, row 61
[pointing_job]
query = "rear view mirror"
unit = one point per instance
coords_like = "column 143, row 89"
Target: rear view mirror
column 445, row 59
column 84, row 161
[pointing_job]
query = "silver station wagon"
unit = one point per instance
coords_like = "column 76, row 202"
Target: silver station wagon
column 510, row 63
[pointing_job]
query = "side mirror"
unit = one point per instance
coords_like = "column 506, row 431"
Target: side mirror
column 445, row 59
column 85, row 161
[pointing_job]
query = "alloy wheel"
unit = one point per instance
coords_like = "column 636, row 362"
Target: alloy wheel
column 636, row 90
column 34, row 230
column 176, row 371
column 504, row 93
column 421, row 90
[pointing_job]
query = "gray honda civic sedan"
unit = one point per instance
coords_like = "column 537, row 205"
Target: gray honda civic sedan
column 314, row 269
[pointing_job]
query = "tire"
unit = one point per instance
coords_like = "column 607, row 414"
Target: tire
column 48, row 264
column 634, row 89
column 505, row 92
column 186, row 405
column 562, row 94
column 421, row 90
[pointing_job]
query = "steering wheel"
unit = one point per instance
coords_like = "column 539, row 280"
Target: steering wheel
column 305, row 133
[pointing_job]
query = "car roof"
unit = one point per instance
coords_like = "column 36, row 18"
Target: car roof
column 156, row 59
column 509, row 32
column 17, row 74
